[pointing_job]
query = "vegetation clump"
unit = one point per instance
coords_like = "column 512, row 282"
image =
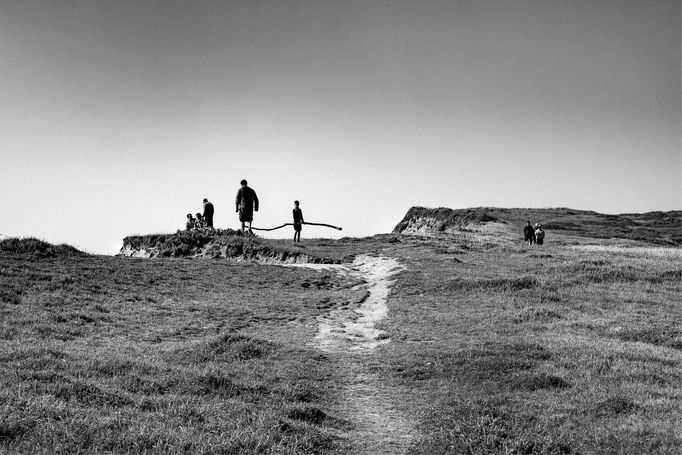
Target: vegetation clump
column 37, row 248
column 215, row 244
column 443, row 218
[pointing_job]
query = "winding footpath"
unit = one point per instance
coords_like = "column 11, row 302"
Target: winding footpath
column 379, row 426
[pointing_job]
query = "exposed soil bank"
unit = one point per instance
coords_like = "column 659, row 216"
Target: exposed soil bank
column 217, row 244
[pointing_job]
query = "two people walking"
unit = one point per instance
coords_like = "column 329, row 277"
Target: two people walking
column 533, row 234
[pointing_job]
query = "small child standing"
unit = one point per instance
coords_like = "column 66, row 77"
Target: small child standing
column 298, row 222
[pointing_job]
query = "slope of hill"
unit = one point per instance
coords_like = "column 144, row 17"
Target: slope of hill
column 485, row 345
column 661, row 228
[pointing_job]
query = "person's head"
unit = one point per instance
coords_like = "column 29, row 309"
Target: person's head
column 205, row 200
column 199, row 216
column 529, row 223
column 189, row 216
column 243, row 182
column 296, row 203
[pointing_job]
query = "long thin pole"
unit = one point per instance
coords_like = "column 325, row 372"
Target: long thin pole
column 291, row 224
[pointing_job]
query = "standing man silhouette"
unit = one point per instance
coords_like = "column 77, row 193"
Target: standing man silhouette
column 208, row 213
column 246, row 203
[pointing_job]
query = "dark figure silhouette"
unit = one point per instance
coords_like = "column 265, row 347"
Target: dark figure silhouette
column 529, row 234
column 191, row 222
column 208, row 213
column 246, row 203
column 298, row 222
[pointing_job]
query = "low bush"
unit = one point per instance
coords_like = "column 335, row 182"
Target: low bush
column 36, row 247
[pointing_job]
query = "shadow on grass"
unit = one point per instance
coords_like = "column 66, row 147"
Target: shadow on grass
column 493, row 366
column 614, row 406
column 669, row 337
column 225, row 348
column 478, row 428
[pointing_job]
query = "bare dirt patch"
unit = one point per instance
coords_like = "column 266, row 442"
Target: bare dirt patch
column 379, row 426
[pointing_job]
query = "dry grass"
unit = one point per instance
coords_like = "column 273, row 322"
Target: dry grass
column 117, row 355
column 496, row 347
column 528, row 350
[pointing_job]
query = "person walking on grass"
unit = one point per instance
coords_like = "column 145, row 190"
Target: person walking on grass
column 208, row 213
column 529, row 234
column 246, row 203
column 298, row 222
column 539, row 235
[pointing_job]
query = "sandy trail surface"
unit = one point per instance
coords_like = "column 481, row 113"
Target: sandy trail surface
column 379, row 425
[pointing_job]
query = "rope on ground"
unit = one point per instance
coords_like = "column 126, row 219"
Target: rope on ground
column 291, row 224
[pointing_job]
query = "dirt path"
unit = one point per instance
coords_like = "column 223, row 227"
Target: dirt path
column 380, row 426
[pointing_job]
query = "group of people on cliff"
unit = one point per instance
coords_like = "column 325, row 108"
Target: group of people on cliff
column 533, row 234
column 201, row 220
column 246, row 202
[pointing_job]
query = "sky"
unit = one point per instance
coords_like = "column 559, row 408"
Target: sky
column 119, row 117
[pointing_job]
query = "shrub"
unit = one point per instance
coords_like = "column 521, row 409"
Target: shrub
column 615, row 405
column 37, row 248
column 10, row 296
column 542, row 381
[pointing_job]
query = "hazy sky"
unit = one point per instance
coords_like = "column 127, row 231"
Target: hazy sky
column 119, row 117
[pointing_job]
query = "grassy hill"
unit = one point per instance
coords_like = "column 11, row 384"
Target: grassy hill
column 494, row 346
column 661, row 228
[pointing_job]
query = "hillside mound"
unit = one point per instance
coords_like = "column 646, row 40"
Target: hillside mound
column 38, row 248
column 215, row 244
column 421, row 220
column 661, row 228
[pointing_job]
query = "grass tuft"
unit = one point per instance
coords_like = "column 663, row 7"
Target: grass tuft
column 37, row 248
column 11, row 430
column 540, row 382
column 614, row 406
column 476, row 428
column 10, row 296
column 307, row 414
column 658, row 336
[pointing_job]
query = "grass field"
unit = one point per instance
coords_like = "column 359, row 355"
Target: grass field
column 495, row 347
